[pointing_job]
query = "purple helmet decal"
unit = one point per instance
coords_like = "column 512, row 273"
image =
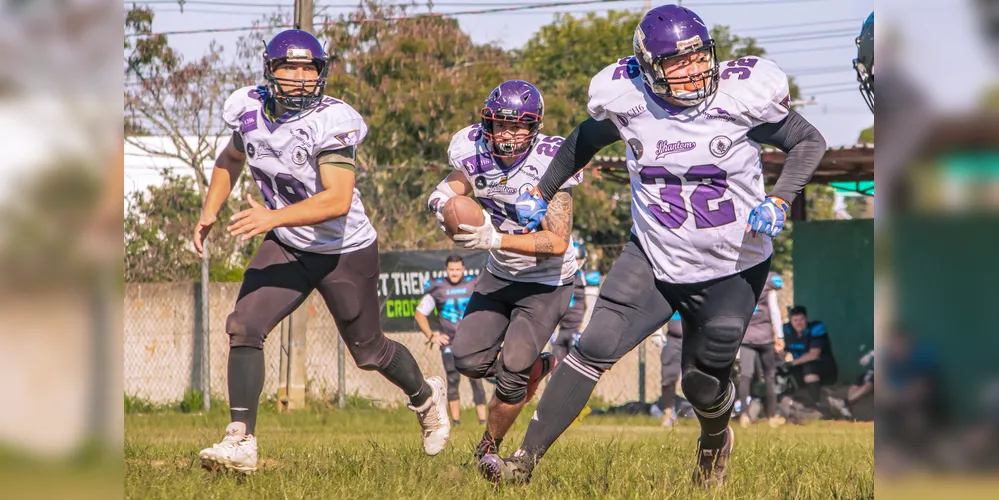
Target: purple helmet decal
column 674, row 38
column 295, row 46
column 513, row 101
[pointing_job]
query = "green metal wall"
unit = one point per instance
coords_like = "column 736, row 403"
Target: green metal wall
column 834, row 279
column 946, row 273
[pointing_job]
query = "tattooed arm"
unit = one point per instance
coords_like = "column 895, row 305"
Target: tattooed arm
column 553, row 240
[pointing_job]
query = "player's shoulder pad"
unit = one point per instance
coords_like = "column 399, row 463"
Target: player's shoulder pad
column 592, row 278
column 338, row 125
column 675, row 316
column 787, row 329
column 777, row 281
column 240, row 109
column 428, row 285
column 759, row 85
column 464, row 143
column 612, row 82
column 817, row 328
column 469, row 278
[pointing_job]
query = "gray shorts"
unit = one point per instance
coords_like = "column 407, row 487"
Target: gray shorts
column 517, row 316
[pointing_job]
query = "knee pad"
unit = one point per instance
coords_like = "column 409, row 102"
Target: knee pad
column 453, row 379
column 700, row 388
column 599, row 347
column 474, row 365
column 242, row 334
column 373, row 355
column 720, row 341
column 511, row 387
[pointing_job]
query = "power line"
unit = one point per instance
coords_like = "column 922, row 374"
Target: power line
column 388, row 18
column 813, row 49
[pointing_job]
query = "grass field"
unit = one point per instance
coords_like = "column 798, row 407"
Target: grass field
column 370, row 453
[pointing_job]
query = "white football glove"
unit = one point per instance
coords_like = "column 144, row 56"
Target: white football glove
column 484, row 237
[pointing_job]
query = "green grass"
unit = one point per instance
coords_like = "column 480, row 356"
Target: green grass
column 371, row 453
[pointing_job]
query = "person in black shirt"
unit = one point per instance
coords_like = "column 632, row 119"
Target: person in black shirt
column 812, row 363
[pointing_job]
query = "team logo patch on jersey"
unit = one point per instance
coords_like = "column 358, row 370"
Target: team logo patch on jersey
column 665, row 147
column 532, row 172
column 302, row 135
column 786, row 102
column 720, row 146
column 250, row 150
column 480, row 182
column 526, row 188
column 721, row 114
column 248, row 122
column 623, row 120
column 637, row 110
column 504, row 189
column 299, row 155
column 636, row 148
column 349, row 138
column 265, row 151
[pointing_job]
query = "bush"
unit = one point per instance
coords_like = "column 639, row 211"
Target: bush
column 135, row 404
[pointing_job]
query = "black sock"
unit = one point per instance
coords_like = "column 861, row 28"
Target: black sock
column 567, row 392
column 405, row 374
column 714, row 420
column 668, row 398
column 770, row 402
column 246, row 382
column 744, row 384
column 814, row 392
column 455, row 422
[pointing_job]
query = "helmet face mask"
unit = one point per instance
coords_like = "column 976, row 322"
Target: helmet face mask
column 295, row 46
column 668, row 39
column 512, row 102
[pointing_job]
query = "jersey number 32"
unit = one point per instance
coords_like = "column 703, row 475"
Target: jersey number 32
column 712, row 184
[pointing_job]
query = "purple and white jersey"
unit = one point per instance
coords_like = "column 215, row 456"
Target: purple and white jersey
column 497, row 188
column 282, row 159
column 695, row 175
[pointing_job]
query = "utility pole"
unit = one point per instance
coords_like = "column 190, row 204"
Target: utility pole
column 646, row 7
column 304, row 14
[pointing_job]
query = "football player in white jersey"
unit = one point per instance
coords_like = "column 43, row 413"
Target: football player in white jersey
column 526, row 290
column 694, row 129
column 300, row 146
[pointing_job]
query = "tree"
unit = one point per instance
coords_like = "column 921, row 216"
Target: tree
column 866, row 136
column 158, row 223
column 180, row 101
column 417, row 82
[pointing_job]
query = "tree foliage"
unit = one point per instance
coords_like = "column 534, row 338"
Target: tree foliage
column 158, row 228
column 416, row 82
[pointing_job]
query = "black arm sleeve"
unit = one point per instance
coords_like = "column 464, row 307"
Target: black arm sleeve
column 577, row 150
column 804, row 146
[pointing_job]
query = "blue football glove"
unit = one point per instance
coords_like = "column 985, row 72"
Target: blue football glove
column 768, row 217
column 531, row 208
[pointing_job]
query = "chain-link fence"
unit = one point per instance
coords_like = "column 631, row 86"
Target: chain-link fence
column 164, row 345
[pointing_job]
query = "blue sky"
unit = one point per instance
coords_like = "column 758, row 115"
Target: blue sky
column 812, row 40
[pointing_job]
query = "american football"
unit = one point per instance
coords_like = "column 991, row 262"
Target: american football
column 461, row 210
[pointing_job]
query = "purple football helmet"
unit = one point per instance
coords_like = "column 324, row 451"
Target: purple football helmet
column 668, row 33
column 295, row 46
column 514, row 101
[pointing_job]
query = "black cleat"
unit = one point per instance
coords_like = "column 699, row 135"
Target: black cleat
column 505, row 470
column 711, row 464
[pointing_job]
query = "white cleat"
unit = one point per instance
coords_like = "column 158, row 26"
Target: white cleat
column 433, row 418
column 237, row 451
